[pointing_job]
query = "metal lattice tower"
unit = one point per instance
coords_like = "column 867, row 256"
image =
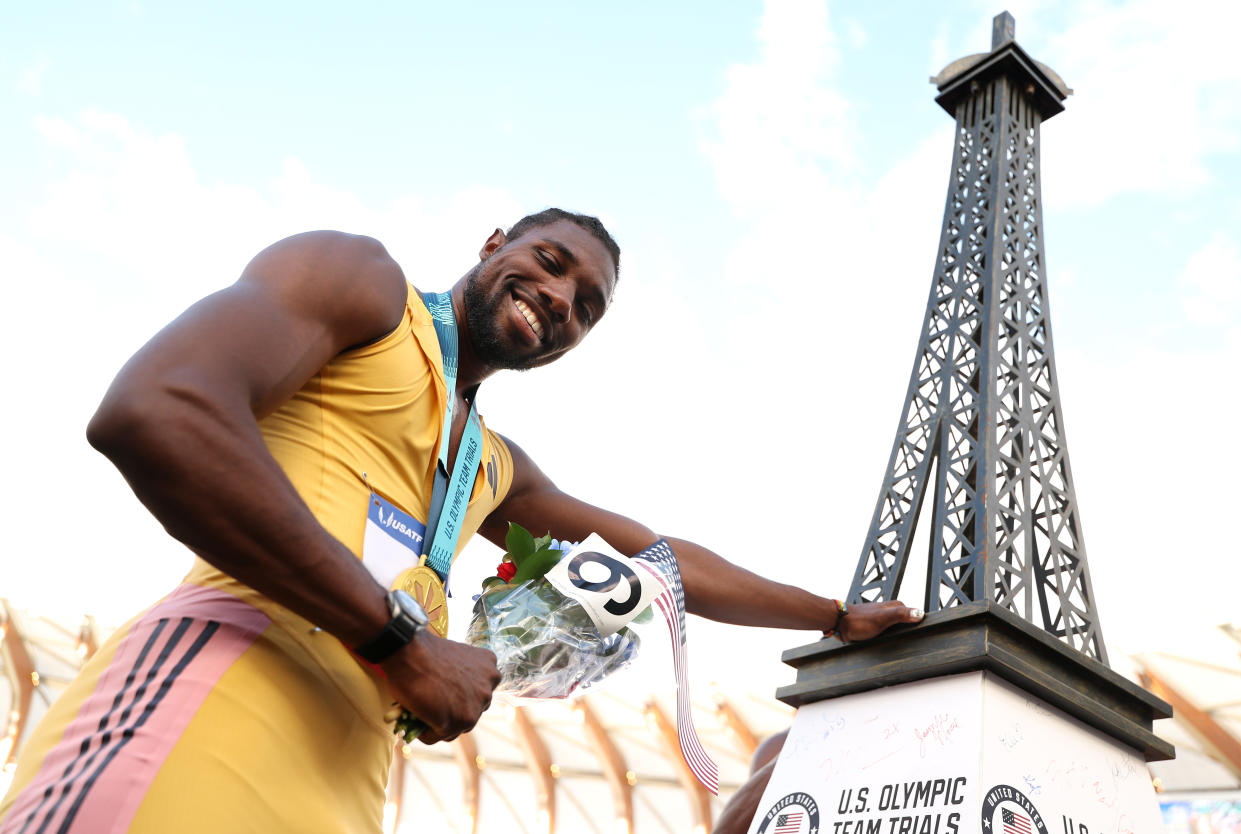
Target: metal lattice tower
column 982, row 425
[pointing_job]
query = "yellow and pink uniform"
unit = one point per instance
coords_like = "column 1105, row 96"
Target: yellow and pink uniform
column 220, row 710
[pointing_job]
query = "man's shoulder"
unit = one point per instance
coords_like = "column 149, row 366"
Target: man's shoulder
column 345, row 279
column 325, row 248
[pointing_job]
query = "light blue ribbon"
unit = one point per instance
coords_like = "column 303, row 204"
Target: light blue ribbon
column 450, row 497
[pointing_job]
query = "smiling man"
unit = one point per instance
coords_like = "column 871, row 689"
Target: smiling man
column 311, row 433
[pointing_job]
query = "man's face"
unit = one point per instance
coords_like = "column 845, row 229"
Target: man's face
column 534, row 298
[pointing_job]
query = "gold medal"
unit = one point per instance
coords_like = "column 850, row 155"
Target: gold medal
column 423, row 584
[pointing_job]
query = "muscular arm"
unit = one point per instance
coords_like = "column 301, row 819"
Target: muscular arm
column 714, row 587
column 180, row 422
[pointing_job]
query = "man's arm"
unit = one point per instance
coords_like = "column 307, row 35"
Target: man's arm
column 180, row 422
column 714, row 587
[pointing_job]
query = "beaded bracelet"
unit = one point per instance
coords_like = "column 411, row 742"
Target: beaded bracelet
column 842, row 610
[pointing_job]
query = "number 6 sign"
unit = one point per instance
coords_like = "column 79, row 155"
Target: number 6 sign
column 606, row 583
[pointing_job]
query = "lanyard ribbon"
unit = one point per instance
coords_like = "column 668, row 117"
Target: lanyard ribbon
column 450, row 496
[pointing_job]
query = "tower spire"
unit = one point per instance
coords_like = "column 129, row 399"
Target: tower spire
column 1003, row 30
column 982, row 429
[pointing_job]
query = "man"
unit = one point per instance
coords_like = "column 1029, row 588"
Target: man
column 265, row 428
column 739, row 812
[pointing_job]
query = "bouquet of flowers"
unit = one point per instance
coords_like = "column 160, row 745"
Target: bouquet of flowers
column 546, row 645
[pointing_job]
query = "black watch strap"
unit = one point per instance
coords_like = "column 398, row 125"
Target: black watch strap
column 407, row 619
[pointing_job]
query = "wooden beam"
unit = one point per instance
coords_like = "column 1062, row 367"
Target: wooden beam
column 1232, row 630
column 539, row 765
column 465, row 751
column 699, row 796
column 88, row 640
column 612, row 763
column 1221, row 744
column 21, row 675
column 737, row 728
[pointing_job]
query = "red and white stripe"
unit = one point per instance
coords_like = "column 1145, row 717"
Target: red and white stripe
column 703, row 768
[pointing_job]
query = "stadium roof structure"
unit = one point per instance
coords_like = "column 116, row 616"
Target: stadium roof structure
column 608, row 761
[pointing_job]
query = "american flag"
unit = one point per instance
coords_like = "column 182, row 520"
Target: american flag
column 661, row 562
column 788, row 823
column 1014, row 822
column 665, row 561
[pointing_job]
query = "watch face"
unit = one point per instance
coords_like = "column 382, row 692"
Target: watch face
column 409, row 607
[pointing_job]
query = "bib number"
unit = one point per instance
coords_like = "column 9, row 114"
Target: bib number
column 611, row 589
column 618, row 574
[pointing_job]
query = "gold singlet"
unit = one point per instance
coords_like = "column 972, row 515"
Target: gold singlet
column 219, row 710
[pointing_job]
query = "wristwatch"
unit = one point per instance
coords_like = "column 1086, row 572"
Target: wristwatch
column 408, row 618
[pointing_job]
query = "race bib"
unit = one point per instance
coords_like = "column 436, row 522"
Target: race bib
column 392, row 541
column 611, row 587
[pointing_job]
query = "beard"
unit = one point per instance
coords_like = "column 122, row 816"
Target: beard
column 482, row 316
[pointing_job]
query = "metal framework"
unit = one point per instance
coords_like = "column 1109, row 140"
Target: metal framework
column 699, row 798
column 465, row 754
column 1220, row 744
column 982, row 425
column 611, row 763
column 539, row 764
column 743, row 736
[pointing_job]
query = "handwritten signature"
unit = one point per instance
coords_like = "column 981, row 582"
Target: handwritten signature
column 940, row 729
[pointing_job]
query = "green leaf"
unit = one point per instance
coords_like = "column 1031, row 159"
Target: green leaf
column 645, row 615
column 538, row 564
column 518, row 542
column 492, row 581
column 543, row 542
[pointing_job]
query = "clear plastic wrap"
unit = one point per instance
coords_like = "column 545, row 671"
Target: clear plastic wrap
column 545, row 643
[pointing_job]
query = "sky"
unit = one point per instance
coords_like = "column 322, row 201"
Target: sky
column 775, row 174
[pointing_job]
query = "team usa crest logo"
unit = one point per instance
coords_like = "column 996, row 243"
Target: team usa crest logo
column 796, row 813
column 1006, row 810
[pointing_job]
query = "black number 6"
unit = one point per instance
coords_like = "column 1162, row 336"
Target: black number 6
column 616, row 573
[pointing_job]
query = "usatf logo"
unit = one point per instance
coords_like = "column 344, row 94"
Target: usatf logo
column 1006, row 810
column 796, row 813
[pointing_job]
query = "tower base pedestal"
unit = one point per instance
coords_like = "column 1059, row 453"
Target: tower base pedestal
column 973, row 722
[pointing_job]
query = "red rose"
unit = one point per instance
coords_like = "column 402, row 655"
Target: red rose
column 506, row 571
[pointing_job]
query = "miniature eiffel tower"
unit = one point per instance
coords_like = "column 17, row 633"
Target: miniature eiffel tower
column 982, row 428
column 1001, row 698
column 1008, row 594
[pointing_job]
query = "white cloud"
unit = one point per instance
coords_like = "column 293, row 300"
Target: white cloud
column 856, row 35
column 1155, row 98
column 133, row 197
column 1211, row 284
column 1152, row 436
column 779, row 119
column 30, row 79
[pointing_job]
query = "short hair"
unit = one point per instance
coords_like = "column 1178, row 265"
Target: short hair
column 553, row 215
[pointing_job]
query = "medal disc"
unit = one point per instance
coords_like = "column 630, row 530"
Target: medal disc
column 424, row 585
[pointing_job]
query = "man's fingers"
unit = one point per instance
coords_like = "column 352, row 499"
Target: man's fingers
column 905, row 614
column 867, row 620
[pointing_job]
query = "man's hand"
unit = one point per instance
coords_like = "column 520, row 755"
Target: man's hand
column 868, row 619
column 446, row 684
